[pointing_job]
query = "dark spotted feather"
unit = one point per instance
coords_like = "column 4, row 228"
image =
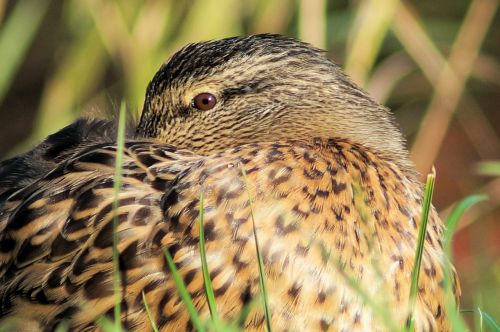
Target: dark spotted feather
column 309, row 198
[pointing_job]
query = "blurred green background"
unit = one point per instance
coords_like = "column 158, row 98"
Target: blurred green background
column 434, row 63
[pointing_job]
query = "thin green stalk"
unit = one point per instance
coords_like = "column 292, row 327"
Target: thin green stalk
column 379, row 310
column 184, row 294
column 367, row 32
column 148, row 312
column 454, row 217
column 262, row 281
column 429, row 189
column 16, row 35
column 489, row 168
column 485, row 317
column 63, row 326
column 451, row 223
column 478, row 319
column 243, row 314
column 206, row 275
column 106, row 324
column 117, row 183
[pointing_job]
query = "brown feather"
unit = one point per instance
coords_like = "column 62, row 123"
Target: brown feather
column 335, row 201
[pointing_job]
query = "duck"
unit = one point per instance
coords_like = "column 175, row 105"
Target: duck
column 264, row 138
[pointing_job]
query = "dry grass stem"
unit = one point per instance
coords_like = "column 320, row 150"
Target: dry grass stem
column 451, row 82
column 373, row 19
column 312, row 22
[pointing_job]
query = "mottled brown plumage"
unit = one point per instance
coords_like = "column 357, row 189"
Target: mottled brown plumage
column 334, row 196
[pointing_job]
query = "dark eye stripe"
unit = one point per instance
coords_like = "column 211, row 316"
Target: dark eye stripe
column 253, row 87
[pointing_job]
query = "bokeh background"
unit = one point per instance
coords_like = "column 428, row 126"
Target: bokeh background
column 434, row 63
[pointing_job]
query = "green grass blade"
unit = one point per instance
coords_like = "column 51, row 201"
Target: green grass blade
column 262, row 279
column 429, row 189
column 451, row 223
column 184, row 294
column 63, row 326
column 148, row 312
column 368, row 30
column 380, row 311
column 244, row 312
column 485, row 317
column 377, row 305
column 480, row 320
column 489, row 320
column 455, row 215
column 204, row 266
column 106, row 324
column 16, row 35
column 489, row 168
column 117, row 183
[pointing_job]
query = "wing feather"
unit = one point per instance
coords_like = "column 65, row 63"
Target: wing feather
column 325, row 215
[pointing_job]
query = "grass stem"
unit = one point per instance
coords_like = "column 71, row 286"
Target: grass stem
column 426, row 207
column 117, row 187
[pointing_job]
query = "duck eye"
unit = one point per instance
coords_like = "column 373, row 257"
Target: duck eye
column 204, row 101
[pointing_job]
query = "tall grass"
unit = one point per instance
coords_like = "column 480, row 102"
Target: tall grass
column 117, row 184
column 451, row 226
column 148, row 312
column 103, row 40
column 212, row 305
column 184, row 294
column 19, row 30
column 422, row 231
column 262, row 275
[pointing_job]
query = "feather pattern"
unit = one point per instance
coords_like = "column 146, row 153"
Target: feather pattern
column 330, row 213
